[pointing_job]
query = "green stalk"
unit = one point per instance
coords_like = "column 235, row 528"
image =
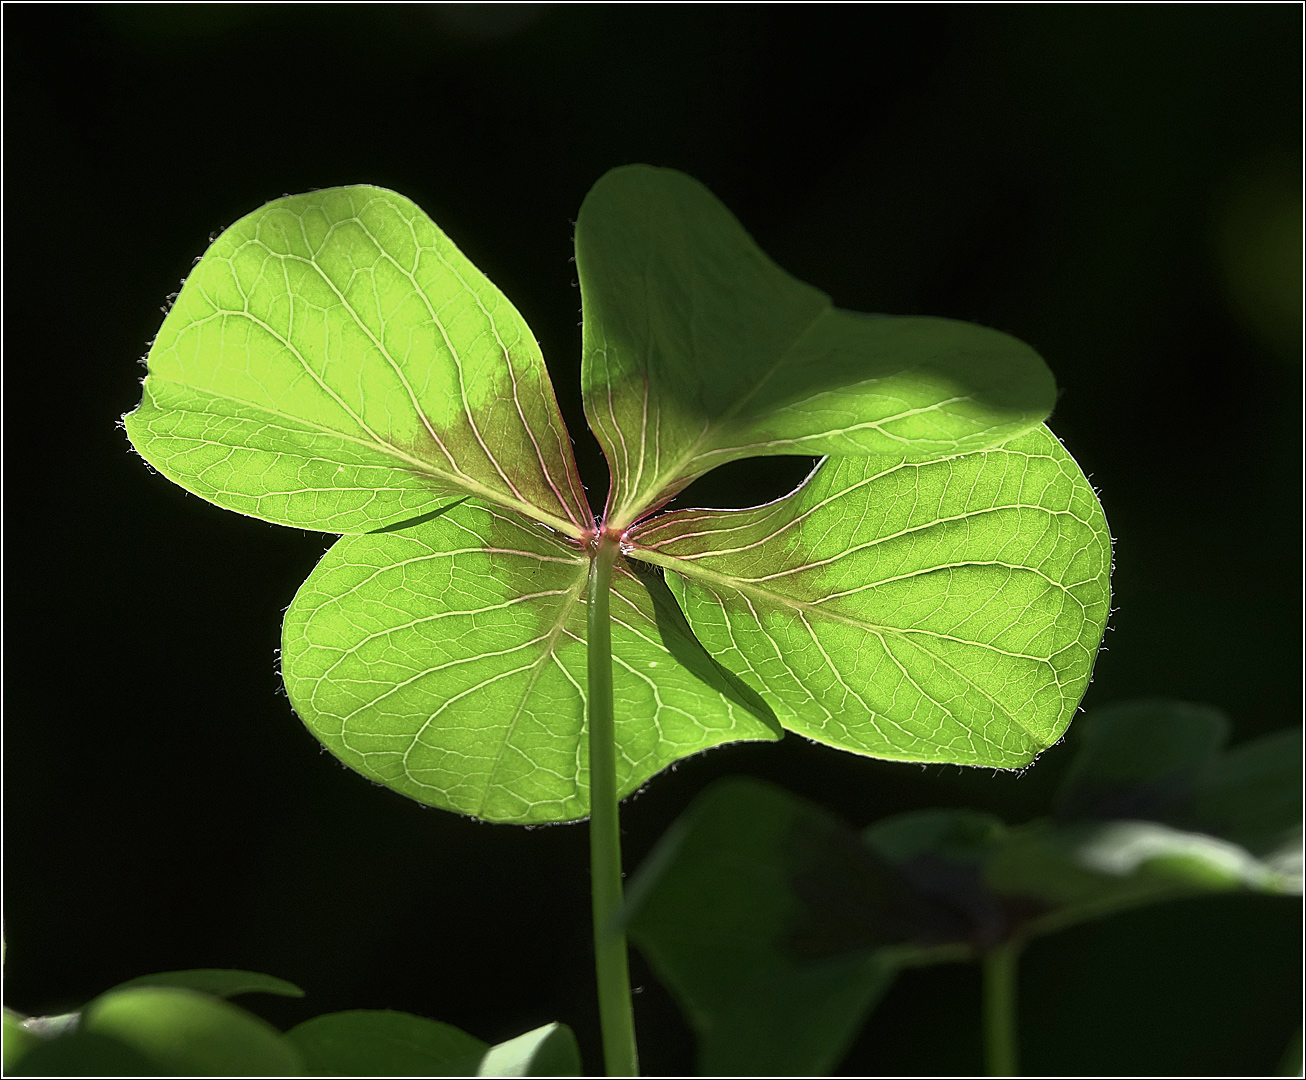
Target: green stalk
column 610, row 964
column 1000, row 1041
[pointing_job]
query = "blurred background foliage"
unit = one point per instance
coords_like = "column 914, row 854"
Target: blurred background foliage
column 1119, row 186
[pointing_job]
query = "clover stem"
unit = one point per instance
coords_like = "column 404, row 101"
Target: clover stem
column 610, row 962
column 1000, row 1040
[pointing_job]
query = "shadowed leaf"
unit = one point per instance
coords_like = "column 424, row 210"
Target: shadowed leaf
column 382, row 1042
column 767, row 920
column 680, row 641
column 699, row 350
column 1139, row 760
column 777, row 928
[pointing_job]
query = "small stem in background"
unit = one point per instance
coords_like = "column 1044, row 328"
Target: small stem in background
column 1000, row 1040
column 610, row 963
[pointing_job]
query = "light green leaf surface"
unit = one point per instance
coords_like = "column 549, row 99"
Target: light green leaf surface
column 698, row 349
column 186, row 1033
column 220, row 982
column 448, row 662
column 383, row 1042
column 335, row 363
column 945, row 611
column 550, row 1050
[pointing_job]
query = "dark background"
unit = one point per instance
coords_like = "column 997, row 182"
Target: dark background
column 1117, row 185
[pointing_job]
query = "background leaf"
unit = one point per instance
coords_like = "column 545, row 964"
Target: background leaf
column 550, row 1050
column 1252, row 795
column 84, row 1053
column 220, row 982
column 17, row 1041
column 447, row 661
column 382, row 1042
column 335, row 363
column 1162, row 761
column 946, row 611
column 1139, row 759
column 754, row 910
column 186, row 1033
column 699, row 350
column 757, row 905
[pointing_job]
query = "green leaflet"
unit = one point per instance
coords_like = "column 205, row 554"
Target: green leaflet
column 699, row 350
column 448, row 662
column 335, row 363
column 945, row 611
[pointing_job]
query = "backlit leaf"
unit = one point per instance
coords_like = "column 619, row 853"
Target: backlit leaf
column 699, row 350
column 335, row 363
column 448, row 662
column 550, row 1050
column 945, row 611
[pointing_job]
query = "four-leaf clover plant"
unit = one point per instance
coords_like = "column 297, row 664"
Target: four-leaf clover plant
column 936, row 590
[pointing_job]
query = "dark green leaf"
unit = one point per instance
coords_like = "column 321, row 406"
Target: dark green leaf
column 775, row 928
column 379, row 1042
column 1252, row 795
column 86, row 1053
column 943, row 855
column 1139, row 760
column 1067, row 874
column 18, row 1040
